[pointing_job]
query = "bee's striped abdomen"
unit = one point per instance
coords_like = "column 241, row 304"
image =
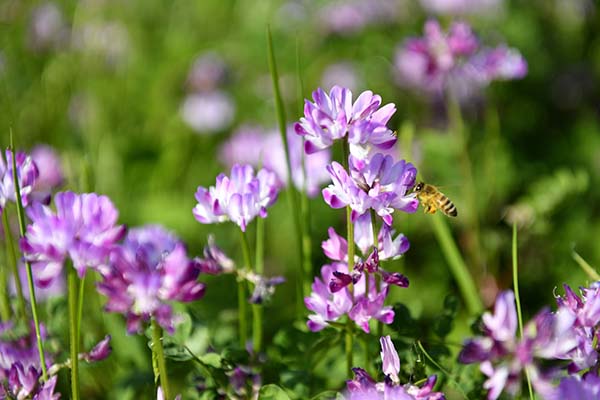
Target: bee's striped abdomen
column 447, row 206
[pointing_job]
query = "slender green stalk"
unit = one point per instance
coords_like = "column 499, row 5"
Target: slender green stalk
column 73, row 294
column 586, row 267
column 349, row 224
column 5, row 311
column 257, row 309
column 349, row 346
column 442, row 369
column 159, row 354
column 458, row 268
column 12, row 260
column 80, row 308
column 518, row 297
column 32, row 299
column 242, row 302
column 292, row 198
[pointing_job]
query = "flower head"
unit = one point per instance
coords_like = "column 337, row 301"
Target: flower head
column 147, row 272
column 363, row 387
column 454, row 60
column 239, row 198
column 379, row 184
column 27, row 173
column 208, row 112
column 503, row 357
column 250, row 145
column 334, row 116
column 83, row 229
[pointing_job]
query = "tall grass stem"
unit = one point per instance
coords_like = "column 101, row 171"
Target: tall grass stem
column 292, row 195
column 159, row 355
column 457, row 265
column 515, row 269
column 32, row 299
column 12, row 260
column 72, row 296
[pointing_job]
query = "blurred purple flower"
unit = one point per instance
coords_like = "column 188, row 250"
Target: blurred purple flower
column 334, row 116
column 454, row 61
column 148, row 271
column 503, row 357
column 83, row 229
column 363, row 387
column 208, row 112
column 215, row 262
column 21, row 349
column 49, row 167
column 264, row 288
column 23, row 383
column 239, row 199
column 245, row 382
column 250, row 145
column 586, row 311
column 100, row 351
column 207, row 73
column 56, row 288
column 161, row 396
column 575, row 387
column 462, row 7
column 348, row 17
column 340, row 74
column 379, row 184
column 47, row 28
column 27, row 173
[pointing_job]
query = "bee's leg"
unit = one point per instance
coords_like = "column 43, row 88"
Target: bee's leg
column 431, row 209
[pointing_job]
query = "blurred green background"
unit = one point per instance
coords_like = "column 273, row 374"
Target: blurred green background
column 104, row 82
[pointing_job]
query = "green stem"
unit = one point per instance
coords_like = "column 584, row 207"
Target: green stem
column 349, row 346
column 241, row 291
column 80, row 308
column 586, row 267
column 12, row 257
column 257, row 309
column 5, row 310
column 293, row 201
column 157, row 350
column 458, row 268
column 518, row 297
column 73, row 336
column 32, row 299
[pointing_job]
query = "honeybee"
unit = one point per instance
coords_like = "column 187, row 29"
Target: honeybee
column 432, row 199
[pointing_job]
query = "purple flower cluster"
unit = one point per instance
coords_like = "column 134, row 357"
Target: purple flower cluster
column 239, row 198
column 20, row 368
column 348, row 17
column 503, row 357
column 83, row 229
column 145, row 273
column 250, row 145
column 454, row 61
column 207, row 109
column 379, row 184
column 586, row 311
column 334, row 116
column 331, row 297
column 364, row 387
column 27, row 173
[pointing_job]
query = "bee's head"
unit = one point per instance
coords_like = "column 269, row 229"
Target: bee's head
column 419, row 186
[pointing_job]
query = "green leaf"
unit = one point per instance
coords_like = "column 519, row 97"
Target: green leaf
column 272, row 392
column 212, row 359
column 327, row 395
